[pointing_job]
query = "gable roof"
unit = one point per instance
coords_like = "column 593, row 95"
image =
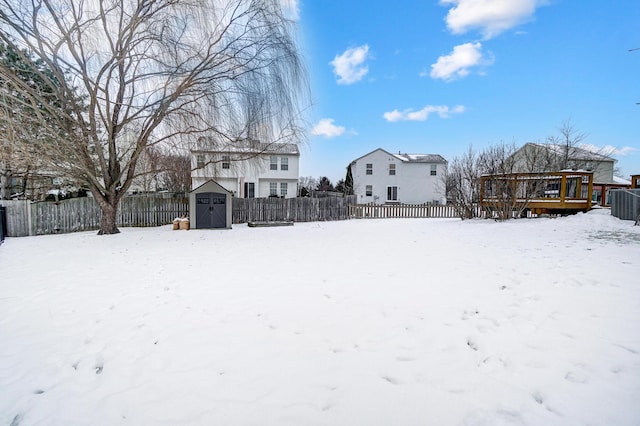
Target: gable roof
column 420, row 158
column 575, row 153
column 245, row 147
column 409, row 158
column 211, row 184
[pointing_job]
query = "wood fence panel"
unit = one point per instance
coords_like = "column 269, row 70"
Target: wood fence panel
column 374, row 211
column 290, row 209
column 17, row 215
column 83, row 214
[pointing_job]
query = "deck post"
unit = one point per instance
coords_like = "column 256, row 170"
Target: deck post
column 563, row 190
column 590, row 192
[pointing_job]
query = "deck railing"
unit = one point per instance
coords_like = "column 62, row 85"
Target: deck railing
column 548, row 192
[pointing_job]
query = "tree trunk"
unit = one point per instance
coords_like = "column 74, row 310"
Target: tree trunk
column 109, row 208
column 5, row 183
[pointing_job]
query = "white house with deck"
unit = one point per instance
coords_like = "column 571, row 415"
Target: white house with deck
column 248, row 169
column 381, row 177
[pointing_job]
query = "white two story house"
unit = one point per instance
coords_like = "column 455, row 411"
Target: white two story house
column 247, row 170
column 380, row 177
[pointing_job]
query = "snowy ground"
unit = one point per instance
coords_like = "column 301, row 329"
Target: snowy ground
column 362, row 322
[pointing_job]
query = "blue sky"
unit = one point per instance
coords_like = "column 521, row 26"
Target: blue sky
column 434, row 77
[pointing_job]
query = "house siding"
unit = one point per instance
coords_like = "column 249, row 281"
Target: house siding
column 414, row 182
column 601, row 166
column 256, row 170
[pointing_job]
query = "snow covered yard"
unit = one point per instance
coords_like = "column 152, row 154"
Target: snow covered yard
column 362, row 322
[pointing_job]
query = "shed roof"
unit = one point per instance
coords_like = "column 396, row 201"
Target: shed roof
column 208, row 186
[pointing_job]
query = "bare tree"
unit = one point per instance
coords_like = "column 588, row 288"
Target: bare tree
column 306, row 184
column 493, row 175
column 506, row 195
column 134, row 74
column 569, row 138
column 176, row 173
column 462, row 184
column 147, row 170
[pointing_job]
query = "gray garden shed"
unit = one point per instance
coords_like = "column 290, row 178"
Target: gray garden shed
column 210, row 206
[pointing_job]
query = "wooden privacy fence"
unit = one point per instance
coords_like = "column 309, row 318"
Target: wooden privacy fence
column 291, row 209
column 83, row 214
column 360, row 211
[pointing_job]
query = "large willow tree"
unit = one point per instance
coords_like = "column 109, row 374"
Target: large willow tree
column 135, row 74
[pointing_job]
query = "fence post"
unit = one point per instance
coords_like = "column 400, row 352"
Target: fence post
column 3, row 223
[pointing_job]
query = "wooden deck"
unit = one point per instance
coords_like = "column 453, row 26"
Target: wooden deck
column 540, row 193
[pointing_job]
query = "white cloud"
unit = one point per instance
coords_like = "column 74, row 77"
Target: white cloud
column 326, row 128
column 423, row 114
column 291, row 9
column 490, row 17
column 608, row 149
column 457, row 63
column 350, row 66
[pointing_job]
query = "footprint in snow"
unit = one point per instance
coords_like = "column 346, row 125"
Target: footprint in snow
column 99, row 366
column 391, row 380
column 472, row 344
column 468, row 313
column 537, row 397
column 574, row 377
column 16, row 420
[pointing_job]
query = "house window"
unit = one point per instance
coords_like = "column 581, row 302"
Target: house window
column 273, row 188
column 249, row 190
column 284, row 163
column 369, row 190
column 392, row 169
column 283, row 189
column 226, row 161
column 369, row 168
column 274, row 163
column 434, row 169
column 392, row 193
column 199, row 161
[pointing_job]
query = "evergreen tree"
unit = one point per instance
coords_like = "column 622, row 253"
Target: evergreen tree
column 325, row 184
column 348, row 182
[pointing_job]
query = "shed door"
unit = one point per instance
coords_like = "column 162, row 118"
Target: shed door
column 211, row 210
